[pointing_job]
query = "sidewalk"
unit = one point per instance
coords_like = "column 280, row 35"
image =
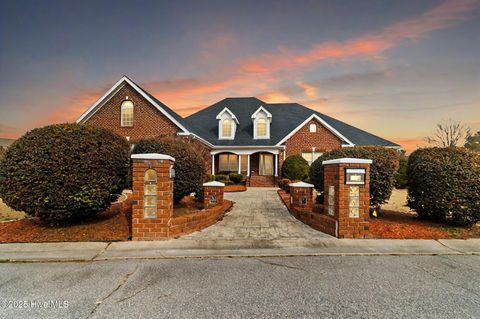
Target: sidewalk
column 178, row 248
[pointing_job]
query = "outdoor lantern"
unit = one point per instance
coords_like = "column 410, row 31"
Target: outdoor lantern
column 354, row 176
column 172, row 172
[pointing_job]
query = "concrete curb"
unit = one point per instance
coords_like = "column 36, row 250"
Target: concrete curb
column 97, row 251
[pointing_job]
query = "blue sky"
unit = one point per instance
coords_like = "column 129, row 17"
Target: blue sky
column 394, row 68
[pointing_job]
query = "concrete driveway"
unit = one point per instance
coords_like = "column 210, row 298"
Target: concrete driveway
column 258, row 214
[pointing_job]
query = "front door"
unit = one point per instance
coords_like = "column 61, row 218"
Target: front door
column 266, row 164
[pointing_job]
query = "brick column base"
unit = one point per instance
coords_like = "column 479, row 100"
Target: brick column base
column 348, row 201
column 213, row 194
column 152, row 196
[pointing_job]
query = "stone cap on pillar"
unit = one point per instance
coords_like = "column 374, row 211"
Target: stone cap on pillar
column 347, row 160
column 153, row 156
column 300, row 184
column 216, row 184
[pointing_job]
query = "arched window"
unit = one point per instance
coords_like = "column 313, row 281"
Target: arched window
column 261, row 127
column 313, row 128
column 150, row 194
column 127, row 113
column 226, row 128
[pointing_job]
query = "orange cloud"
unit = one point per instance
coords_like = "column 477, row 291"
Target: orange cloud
column 369, row 45
column 410, row 144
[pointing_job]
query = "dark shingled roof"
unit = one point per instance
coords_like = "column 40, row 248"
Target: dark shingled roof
column 285, row 118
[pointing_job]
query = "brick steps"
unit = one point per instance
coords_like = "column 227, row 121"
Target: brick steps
column 261, row 181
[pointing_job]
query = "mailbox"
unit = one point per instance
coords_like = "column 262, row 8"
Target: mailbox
column 354, row 176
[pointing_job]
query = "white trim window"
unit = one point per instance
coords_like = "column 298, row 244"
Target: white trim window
column 227, row 162
column 310, row 157
column 227, row 127
column 227, row 124
column 127, row 113
column 313, row 128
column 261, row 123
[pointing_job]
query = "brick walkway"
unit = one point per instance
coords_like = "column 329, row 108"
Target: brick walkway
column 257, row 213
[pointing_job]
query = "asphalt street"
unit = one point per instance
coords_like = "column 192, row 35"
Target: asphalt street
column 288, row 287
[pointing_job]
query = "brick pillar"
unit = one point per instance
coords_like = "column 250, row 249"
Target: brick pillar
column 213, row 194
column 347, row 200
column 301, row 196
column 152, row 196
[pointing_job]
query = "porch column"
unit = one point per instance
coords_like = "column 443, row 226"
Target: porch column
column 248, row 165
column 276, row 165
column 239, row 160
column 213, row 164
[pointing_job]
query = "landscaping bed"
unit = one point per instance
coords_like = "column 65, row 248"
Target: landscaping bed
column 106, row 226
column 114, row 224
column 405, row 224
column 234, row 188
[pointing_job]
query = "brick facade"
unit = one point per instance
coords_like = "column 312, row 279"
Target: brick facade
column 302, row 141
column 148, row 121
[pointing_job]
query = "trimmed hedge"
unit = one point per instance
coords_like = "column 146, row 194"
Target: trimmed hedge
column 382, row 170
column 65, row 172
column 401, row 179
column 295, row 167
column 283, row 184
column 189, row 165
column 235, row 178
column 221, row 177
column 444, row 184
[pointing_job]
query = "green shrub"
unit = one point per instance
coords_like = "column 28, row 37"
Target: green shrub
column 401, row 174
column 2, row 152
column 189, row 165
column 444, row 184
column 235, row 178
column 221, row 177
column 64, row 172
column 295, row 167
column 227, row 183
column 209, row 178
column 382, row 170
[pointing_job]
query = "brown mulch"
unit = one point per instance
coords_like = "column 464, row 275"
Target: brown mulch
column 186, row 206
column 107, row 226
column 234, row 188
column 401, row 225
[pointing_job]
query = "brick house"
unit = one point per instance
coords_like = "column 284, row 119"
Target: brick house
column 244, row 135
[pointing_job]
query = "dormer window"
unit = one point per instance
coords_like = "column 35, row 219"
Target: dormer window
column 261, row 127
column 261, row 123
column 227, row 124
column 226, row 127
column 127, row 113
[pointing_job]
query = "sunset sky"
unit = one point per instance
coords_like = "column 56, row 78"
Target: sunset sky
column 393, row 68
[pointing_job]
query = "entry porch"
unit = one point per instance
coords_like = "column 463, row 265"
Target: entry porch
column 260, row 166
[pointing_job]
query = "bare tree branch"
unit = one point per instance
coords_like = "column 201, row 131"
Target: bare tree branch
column 449, row 133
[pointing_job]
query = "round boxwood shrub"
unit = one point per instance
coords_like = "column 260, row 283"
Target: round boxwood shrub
column 295, row 167
column 401, row 174
column 444, row 184
column 189, row 165
column 235, row 178
column 382, row 170
column 65, row 172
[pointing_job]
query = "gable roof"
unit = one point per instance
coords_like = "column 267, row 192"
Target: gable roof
column 286, row 118
column 169, row 113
